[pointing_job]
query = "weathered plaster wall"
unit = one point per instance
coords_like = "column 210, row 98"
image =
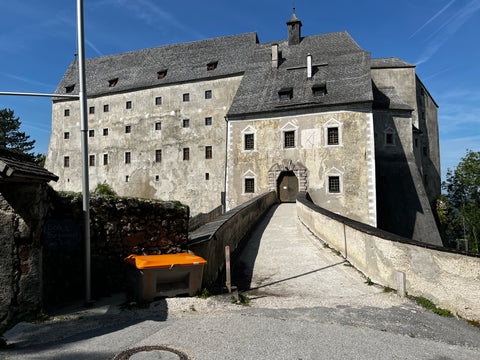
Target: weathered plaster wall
column 171, row 179
column 352, row 160
column 451, row 280
column 23, row 209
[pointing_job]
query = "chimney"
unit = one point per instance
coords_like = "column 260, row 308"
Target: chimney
column 309, row 66
column 275, row 56
column 294, row 34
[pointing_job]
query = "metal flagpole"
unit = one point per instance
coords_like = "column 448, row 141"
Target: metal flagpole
column 84, row 134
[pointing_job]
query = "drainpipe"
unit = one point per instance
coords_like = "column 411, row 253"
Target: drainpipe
column 224, row 203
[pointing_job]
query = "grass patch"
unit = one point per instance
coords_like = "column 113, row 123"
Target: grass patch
column 243, row 300
column 369, row 282
column 429, row 305
column 387, row 289
column 348, row 265
column 474, row 323
column 203, row 294
column 325, row 245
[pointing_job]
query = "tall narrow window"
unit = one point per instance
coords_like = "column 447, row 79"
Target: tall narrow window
column 332, row 136
column 128, row 157
column 208, row 152
column 105, row 132
column 66, row 112
column 158, row 155
column 128, row 129
column 91, row 133
column 91, row 110
column 208, row 121
column 91, row 160
column 289, row 139
column 249, row 185
column 128, row 105
column 66, row 161
column 249, row 142
column 158, row 125
column 158, row 100
column 105, row 159
column 208, row 94
column 186, row 153
column 389, row 138
column 334, row 184
column 105, row 108
column 66, row 135
column 186, row 97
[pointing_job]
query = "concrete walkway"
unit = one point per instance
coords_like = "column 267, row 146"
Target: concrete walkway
column 284, row 263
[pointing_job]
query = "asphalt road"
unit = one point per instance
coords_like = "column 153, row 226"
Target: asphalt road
column 305, row 304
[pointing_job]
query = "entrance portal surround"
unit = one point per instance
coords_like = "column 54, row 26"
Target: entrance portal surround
column 297, row 168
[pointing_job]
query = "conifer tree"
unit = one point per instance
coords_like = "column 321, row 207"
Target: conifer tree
column 10, row 134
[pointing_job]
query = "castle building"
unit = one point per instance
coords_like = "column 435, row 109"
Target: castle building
column 223, row 120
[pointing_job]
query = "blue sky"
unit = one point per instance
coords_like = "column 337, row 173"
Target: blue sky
column 38, row 42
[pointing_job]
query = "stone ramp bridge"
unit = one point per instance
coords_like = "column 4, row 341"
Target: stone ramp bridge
column 276, row 251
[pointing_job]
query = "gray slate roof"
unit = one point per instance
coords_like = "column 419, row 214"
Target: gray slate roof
column 338, row 61
column 15, row 165
column 391, row 62
column 183, row 62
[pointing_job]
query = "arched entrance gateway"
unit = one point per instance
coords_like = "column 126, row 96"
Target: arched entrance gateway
column 287, row 180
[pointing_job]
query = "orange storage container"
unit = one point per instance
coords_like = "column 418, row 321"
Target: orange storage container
column 155, row 276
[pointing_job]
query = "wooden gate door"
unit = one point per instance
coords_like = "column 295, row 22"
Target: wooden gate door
column 287, row 186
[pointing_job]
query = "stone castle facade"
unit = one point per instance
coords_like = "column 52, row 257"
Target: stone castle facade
column 223, row 120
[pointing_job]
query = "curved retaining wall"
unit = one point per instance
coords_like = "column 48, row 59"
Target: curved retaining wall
column 210, row 240
column 448, row 278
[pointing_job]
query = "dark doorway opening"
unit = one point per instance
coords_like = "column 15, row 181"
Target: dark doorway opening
column 287, row 186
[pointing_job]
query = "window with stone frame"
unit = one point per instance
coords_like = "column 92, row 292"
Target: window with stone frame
column 186, row 123
column 66, row 135
column 249, row 141
column 334, row 184
column 249, row 185
column 158, row 125
column 91, row 133
column 128, row 105
column 105, row 159
column 186, row 97
column 208, row 121
column 105, row 132
column 208, row 94
column 91, row 160
column 158, row 100
column 128, row 129
column 105, row 108
column 91, row 110
column 66, row 161
column 128, row 157
column 66, row 112
column 158, row 155
column 289, row 139
column 332, row 136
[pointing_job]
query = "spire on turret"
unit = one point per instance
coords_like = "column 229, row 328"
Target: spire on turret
column 294, row 33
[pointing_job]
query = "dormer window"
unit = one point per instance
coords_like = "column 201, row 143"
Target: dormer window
column 319, row 90
column 161, row 74
column 212, row 65
column 69, row 89
column 113, row 82
column 285, row 93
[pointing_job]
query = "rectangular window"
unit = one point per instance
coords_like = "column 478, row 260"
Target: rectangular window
column 186, row 153
column 208, row 94
column 91, row 160
column 128, row 105
column 208, row 121
column 158, row 125
column 128, row 129
column 91, row 110
column 186, row 123
column 208, row 152
column 186, row 97
column 66, row 135
column 105, row 108
column 66, row 112
column 158, row 156
column 207, row 176
column 66, row 161
column 249, row 141
column 91, row 133
column 389, row 139
column 249, row 185
column 157, row 177
column 289, row 139
column 332, row 136
column 105, row 159
column 105, row 132
column 128, row 157
column 285, row 94
column 319, row 90
column 334, row 184
column 158, row 100
column 127, row 178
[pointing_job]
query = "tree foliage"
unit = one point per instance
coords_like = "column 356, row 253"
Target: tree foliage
column 12, row 138
column 459, row 208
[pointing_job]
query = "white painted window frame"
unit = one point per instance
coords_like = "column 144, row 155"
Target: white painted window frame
column 333, row 172
column 333, row 123
column 289, row 126
column 249, row 130
column 249, row 175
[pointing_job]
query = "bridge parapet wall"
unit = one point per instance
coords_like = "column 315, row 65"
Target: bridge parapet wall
column 210, row 240
column 449, row 278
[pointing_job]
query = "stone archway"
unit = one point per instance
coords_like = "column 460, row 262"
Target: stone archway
column 287, row 186
column 297, row 168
